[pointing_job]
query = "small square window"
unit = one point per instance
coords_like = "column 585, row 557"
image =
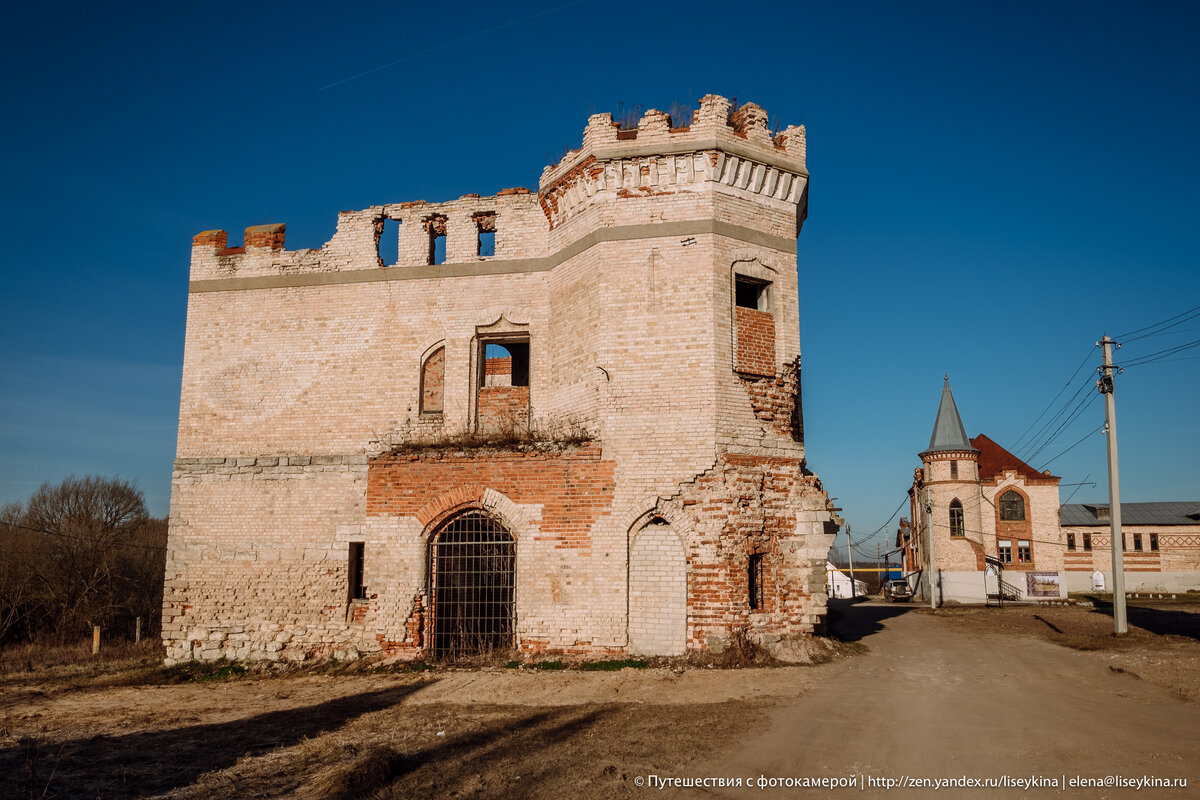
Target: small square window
column 750, row 293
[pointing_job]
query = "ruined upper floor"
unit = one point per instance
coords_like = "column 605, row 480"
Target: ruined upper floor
column 723, row 164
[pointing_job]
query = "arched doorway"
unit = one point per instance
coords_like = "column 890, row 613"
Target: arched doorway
column 472, row 570
column 657, row 592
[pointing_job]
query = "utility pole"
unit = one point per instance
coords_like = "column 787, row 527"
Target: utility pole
column 885, row 575
column 1105, row 385
column 850, row 551
column 932, row 578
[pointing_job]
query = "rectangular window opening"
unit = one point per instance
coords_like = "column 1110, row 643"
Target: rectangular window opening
column 485, row 226
column 502, row 393
column 388, row 246
column 357, row 591
column 1153, row 542
column 1087, row 541
column 1137, row 541
column 751, row 293
column 755, row 576
column 435, row 226
column 1070, row 541
column 1024, row 551
column 954, row 470
column 1005, row 551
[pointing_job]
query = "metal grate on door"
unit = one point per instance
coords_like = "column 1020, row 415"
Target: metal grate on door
column 473, row 571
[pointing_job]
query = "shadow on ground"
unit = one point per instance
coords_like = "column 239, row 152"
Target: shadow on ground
column 854, row 620
column 153, row 762
column 1161, row 621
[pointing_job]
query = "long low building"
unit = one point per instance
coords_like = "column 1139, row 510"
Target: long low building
column 1162, row 545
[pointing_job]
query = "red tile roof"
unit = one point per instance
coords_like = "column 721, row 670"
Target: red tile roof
column 994, row 459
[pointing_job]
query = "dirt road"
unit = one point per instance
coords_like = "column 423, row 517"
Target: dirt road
column 937, row 700
column 975, row 693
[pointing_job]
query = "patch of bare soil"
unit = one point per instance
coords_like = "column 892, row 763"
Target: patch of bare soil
column 1162, row 646
column 465, row 733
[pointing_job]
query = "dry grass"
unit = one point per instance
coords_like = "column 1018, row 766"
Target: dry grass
column 47, row 662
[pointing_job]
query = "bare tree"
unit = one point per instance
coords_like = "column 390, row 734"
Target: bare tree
column 84, row 552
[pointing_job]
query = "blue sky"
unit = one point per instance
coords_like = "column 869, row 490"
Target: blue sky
column 993, row 188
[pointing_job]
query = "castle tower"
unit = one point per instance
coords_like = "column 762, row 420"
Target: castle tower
column 946, row 501
column 582, row 403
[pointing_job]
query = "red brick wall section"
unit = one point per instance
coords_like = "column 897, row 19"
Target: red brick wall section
column 218, row 239
column 504, row 408
column 755, row 346
column 270, row 236
column 433, row 379
column 574, row 485
column 777, row 400
column 501, row 365
column 751, row 502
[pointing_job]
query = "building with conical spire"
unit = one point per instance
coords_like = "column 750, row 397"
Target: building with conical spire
column 986, row 520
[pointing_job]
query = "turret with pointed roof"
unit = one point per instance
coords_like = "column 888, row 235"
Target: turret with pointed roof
column 948, row 430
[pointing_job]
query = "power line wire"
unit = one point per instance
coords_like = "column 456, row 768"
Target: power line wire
column 1017, row 443
column 1125, row 337
column 1072, row 447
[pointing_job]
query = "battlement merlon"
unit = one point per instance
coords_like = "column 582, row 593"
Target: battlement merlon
column 732, row 152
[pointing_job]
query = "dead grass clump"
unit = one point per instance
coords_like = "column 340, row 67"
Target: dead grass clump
column 360, row 777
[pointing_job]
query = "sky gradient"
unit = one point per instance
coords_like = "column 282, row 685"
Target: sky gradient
column 993, row 187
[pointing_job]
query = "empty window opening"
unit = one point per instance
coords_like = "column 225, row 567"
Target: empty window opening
column 1070, row 541
column 1087, row 541
column 750, row 293
column 1012, row 507
column 1137, row 541
column 506, row 364
column 1154, row 542
column 433, row 382
column 472, row 567
column 502, row 397
column 755, row 571
column 956, row 518
column 358, row 591
column 1005, row 551
column 1024, row 551
column 485, row 226
column 954, row 470
column 388, row 245
column 435, row 226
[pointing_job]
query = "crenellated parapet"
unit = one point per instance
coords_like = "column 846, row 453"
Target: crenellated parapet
column 718, row 149
column 510, row 223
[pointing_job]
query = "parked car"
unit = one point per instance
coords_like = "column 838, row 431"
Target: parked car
column 897, row 590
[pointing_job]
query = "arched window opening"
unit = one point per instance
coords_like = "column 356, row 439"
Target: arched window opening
column 956, row 519
column 1012, row 507
column 433, row 382
column 472, row 568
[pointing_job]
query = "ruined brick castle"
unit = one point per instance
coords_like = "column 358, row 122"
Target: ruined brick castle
column 558, row 422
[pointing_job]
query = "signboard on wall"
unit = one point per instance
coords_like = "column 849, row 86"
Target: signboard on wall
column 1042, row 584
